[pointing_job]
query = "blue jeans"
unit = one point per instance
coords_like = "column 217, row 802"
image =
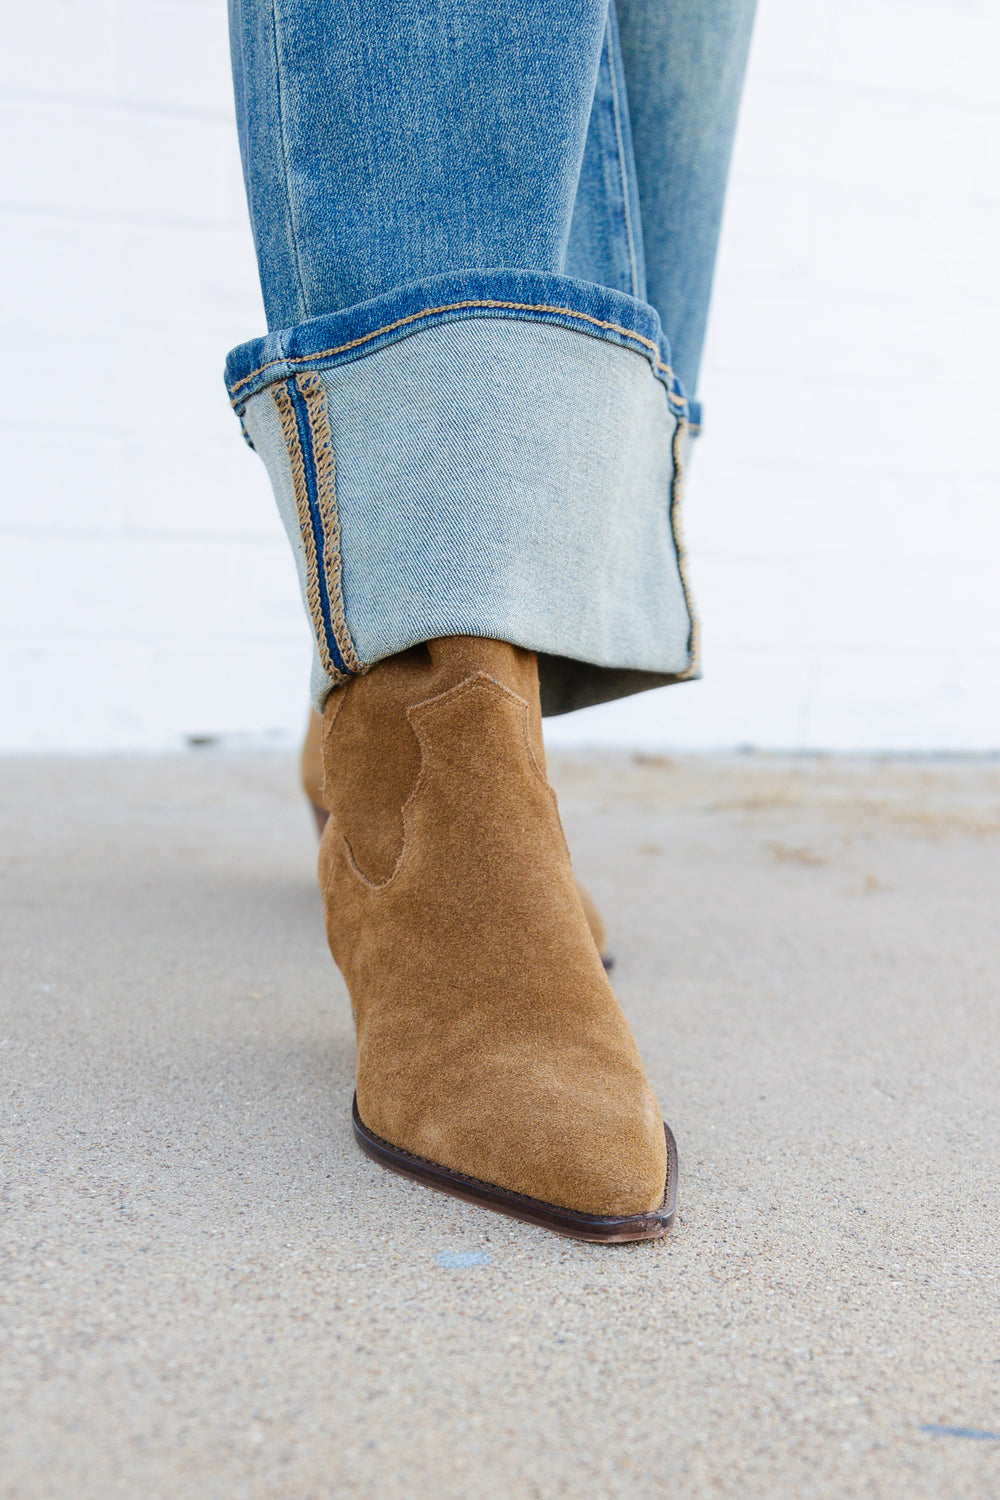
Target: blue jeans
column 486, row 232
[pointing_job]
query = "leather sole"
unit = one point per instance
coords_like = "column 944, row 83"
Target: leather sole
column 321, row 815
column 607, row 1231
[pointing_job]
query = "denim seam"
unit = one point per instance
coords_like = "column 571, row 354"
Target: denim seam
column 622, row 169
column 284, row 160
column 316, row 518
column 677, row 531
column 288, row 420
column 429, row 312
column 325, row 463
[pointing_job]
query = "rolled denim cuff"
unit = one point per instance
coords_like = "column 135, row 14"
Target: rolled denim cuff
column 495, row 454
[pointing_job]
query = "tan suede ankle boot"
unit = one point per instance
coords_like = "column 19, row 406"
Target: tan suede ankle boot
column 311, row 772
column 493, row 1059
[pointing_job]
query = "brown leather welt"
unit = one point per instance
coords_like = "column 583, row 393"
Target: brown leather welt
column 490, row 1196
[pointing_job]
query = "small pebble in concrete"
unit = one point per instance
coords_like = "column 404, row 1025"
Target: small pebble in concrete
column 456, row 1260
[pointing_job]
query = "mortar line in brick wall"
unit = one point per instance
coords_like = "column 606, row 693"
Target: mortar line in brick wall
column 119, row 105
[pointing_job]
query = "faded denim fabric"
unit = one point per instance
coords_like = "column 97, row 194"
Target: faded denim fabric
column 480, row 231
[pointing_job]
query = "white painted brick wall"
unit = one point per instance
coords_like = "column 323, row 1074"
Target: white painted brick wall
column 843, row 512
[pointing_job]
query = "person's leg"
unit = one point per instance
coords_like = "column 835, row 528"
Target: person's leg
column 675, row 70
column 470, row 448
column 503, row 431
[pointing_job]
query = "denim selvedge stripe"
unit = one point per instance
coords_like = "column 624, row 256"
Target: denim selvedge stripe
column 455, row 236
column 301, row 405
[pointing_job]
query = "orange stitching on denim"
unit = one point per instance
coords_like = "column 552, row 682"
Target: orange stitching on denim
column 290, row 432
column 314, row 396
column 430, row 312
column 676, row 486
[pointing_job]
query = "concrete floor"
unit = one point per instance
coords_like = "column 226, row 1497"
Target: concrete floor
column 208, row 1291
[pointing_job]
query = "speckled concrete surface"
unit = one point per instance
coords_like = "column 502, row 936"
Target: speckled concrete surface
column 207, row 1291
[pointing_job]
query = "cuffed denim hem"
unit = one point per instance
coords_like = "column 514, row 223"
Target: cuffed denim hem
column 495, row 454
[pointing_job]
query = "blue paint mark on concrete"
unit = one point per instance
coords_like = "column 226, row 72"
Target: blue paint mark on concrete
column 455, row 1260
column 967, row 1432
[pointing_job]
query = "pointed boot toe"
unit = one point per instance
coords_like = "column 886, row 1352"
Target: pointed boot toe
column 593, row 1157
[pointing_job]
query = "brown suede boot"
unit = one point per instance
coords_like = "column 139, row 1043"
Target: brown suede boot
column 311, row 772
column 493, row 1059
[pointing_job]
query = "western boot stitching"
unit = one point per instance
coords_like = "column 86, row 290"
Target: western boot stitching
column 477, row 682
